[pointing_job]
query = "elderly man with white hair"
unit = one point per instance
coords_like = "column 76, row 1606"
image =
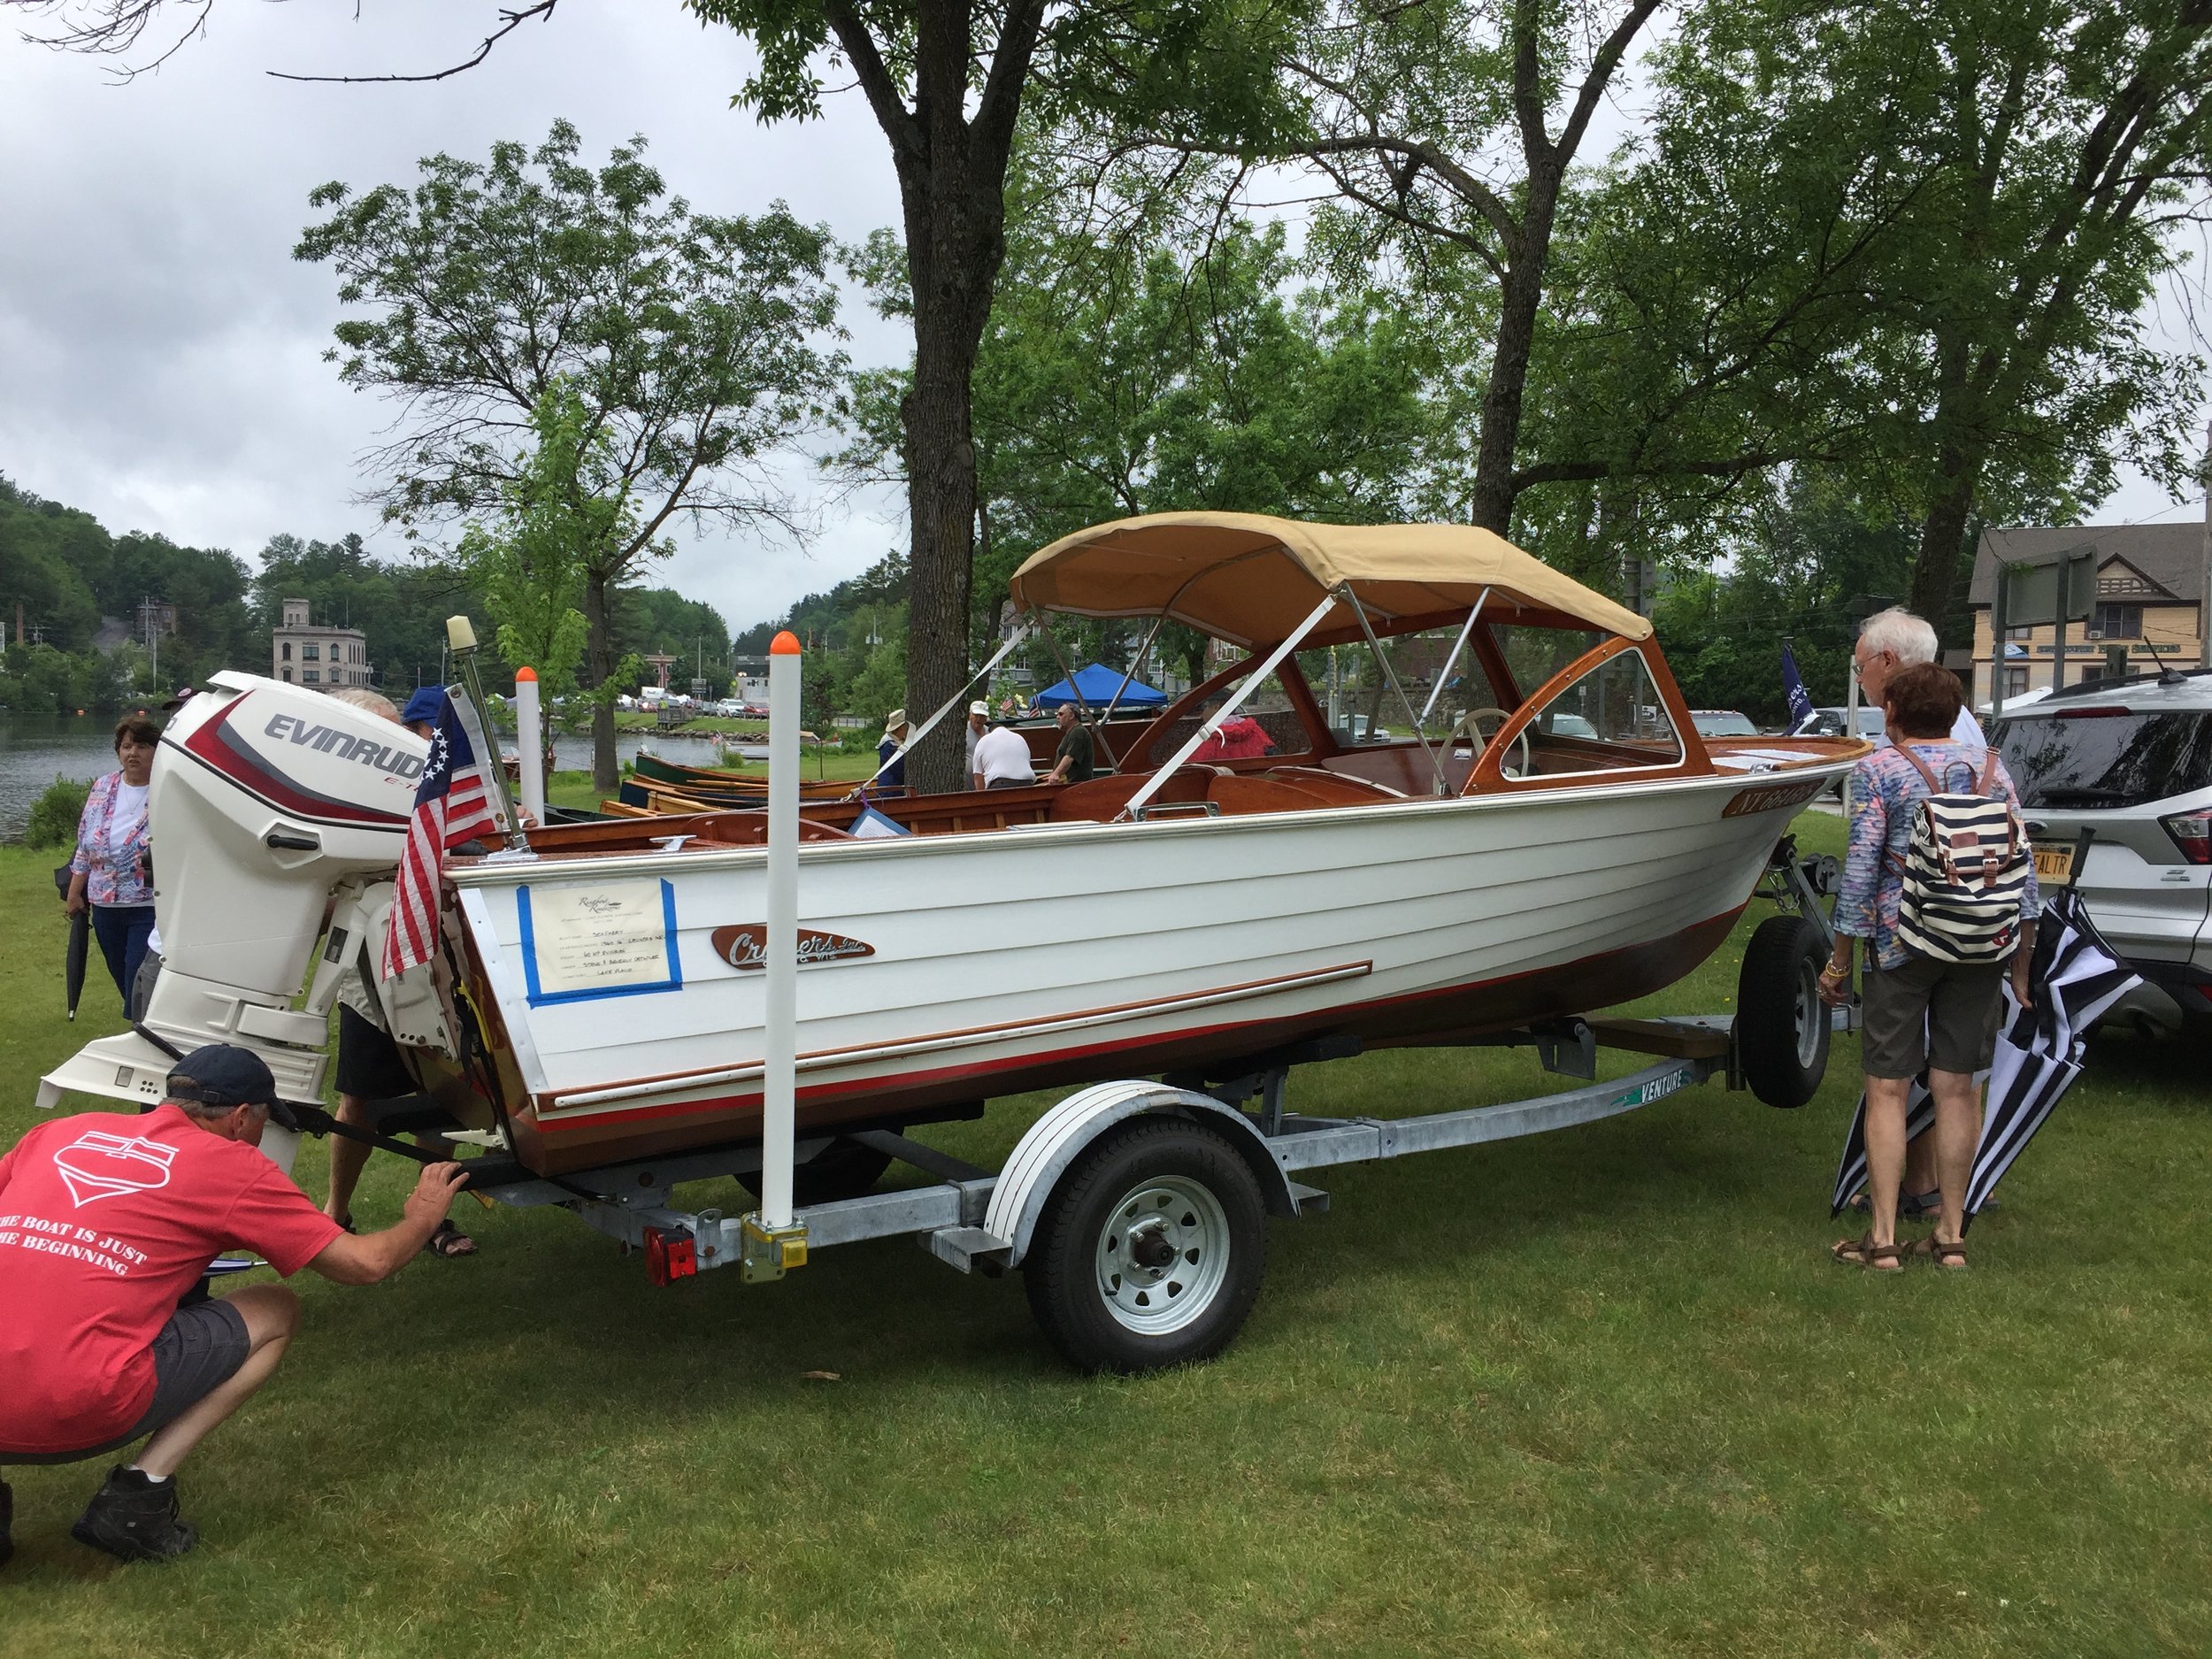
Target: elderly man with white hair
column 1893, row 639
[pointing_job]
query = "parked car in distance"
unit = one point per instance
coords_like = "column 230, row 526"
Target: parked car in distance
column 1836, row 722
column 1721, row 723
column 2130, row 763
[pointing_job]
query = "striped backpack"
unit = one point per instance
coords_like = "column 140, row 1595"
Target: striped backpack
column 1966, row 871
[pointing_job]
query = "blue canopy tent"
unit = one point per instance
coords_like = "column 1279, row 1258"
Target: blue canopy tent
column 1099, row 683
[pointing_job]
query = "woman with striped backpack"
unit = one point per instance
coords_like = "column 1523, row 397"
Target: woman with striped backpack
column 1941, row 884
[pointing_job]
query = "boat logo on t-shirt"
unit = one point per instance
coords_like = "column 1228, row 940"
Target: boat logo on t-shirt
column 97, row 1165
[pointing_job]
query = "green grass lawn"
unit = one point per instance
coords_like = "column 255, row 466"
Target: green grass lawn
column 1598, row 1391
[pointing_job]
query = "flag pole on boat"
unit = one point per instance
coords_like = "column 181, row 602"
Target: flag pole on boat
column 476, row 717
column 773, row 1240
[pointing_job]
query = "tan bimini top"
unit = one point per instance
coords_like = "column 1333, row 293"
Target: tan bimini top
column 1251, row 580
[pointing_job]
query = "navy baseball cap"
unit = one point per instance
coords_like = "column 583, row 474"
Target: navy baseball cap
column 425, row 707
column 223, row 1074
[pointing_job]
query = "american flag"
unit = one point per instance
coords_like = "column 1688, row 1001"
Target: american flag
column 451, row 807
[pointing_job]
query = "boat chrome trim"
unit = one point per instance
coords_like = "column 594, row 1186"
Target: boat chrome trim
column 823, row 1059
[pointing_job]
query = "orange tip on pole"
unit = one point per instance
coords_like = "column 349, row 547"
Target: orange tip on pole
column 527, row 673
column 785, row 644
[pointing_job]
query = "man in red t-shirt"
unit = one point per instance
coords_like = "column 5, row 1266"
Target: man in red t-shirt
column 108, row 1220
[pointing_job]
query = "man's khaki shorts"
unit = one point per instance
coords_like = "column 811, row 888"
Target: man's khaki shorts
column 1922, row 1014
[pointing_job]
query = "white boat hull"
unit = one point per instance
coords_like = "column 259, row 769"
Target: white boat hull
column 1023, row 958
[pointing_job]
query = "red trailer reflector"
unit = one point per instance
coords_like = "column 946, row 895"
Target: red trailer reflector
column 669, row 1256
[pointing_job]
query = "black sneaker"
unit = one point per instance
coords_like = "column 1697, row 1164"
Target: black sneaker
column 134, row 1518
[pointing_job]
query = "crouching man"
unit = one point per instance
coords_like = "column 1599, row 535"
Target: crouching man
column 108, row 1220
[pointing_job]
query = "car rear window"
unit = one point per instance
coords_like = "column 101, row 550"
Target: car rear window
column 2106, row 758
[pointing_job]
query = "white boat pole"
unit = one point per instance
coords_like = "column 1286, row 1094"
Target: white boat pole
column 530, row 741
column 778, row 1105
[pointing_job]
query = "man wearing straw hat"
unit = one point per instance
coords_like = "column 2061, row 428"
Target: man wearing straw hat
column 890, row 772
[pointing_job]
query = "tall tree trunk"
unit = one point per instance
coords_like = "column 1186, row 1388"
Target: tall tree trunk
column 598, row 669
column 1943, row 541
column 955, row 239
column 1520, row 298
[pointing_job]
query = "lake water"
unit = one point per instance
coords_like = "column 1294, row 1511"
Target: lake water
column 36, row 749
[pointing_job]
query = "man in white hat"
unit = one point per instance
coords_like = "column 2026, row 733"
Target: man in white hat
column 891, row 774
column 979, row 722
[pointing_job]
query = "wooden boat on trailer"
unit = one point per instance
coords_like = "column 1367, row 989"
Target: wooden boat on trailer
column 1573, row 844
column 1174, row 915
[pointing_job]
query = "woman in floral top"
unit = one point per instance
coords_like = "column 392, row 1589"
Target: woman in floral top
column 111, row 871
column 1920, row 1014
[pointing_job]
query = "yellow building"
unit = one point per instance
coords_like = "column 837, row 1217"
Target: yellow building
column 2148, row 610
column 322, row 657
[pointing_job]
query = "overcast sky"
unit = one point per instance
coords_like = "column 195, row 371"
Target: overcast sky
column 161, row 351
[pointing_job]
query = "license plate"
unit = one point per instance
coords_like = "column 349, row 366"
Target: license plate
column 2055, row 862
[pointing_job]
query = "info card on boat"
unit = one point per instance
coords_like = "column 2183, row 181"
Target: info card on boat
column 606, row 939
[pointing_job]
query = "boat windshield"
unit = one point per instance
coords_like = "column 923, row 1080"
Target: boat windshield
column 1609, row 719
column 1360, row 706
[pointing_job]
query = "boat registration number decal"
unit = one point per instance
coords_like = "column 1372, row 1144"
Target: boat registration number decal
column 746, row 946
column 1769, row 797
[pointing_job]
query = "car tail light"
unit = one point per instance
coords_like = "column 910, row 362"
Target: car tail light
column 669, row 1256
column 2088, row 714
column 2193, row 833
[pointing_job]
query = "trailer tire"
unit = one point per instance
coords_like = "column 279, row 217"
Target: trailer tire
column 1151, row 1249
column 1782, row 1026
column 844, row 1169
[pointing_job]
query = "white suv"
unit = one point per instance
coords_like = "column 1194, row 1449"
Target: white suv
column 2131, row 762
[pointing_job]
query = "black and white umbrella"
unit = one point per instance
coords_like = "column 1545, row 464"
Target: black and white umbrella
column 2076, row 978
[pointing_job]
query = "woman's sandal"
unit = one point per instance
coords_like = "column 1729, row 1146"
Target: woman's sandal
column 1951, row 1257
column 1863, row 1252
column 450, row 1240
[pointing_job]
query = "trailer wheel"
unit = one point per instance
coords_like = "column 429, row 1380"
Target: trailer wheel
column 1782, row 1026
column 844, row 1169
column 1151, row 1249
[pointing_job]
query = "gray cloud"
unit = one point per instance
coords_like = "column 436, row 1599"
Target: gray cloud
column 161, row 351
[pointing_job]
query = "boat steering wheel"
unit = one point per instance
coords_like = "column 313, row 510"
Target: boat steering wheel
column 1468, row 724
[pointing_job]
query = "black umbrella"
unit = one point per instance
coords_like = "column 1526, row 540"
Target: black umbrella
column 79, row 942
column 2076, row 979
column 2039, row 1055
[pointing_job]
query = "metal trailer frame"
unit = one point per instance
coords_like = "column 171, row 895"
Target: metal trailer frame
column 977, row 1220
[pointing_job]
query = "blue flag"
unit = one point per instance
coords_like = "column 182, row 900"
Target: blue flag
column 1793, row 688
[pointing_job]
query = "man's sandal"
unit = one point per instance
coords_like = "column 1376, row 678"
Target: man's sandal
column 448, row 1241
column 1863, row 1252
column 1950, row 1256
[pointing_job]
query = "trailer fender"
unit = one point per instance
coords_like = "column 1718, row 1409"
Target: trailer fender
column 1058, row 1137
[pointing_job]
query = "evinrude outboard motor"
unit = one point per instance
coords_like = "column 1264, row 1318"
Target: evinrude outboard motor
column 265, row 797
